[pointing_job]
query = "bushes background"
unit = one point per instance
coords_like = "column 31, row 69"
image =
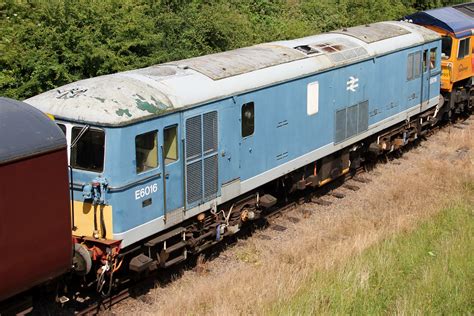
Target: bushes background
column 45, row 44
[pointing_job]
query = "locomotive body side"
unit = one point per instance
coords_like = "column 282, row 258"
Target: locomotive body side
column 286, row 132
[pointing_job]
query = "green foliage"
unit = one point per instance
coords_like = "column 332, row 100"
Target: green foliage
column 45, row 44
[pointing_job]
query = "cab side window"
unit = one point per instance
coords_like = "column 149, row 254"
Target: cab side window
column 425, row 60
column 146, row 151
column 414, row 65
column 433, row 55
column 464, row 47
column 447, row 42
column 171, row 144
column 248, row 119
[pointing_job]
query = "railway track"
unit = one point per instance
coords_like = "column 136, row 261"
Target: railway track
column 92, row 305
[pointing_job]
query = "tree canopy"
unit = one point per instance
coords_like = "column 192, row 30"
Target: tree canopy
column 45, row 44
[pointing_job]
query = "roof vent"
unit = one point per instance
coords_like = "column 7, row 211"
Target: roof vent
column 307, row 49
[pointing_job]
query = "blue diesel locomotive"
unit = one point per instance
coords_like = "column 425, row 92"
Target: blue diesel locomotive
column 172, row 158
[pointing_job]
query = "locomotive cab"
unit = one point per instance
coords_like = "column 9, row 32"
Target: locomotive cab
column 118, row 170
column 456, row 26
column 456, row 60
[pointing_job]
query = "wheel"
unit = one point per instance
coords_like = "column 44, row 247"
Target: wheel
column 82, row 261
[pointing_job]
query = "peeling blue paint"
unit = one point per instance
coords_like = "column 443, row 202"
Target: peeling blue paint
column 121, row 112
column 154, row 107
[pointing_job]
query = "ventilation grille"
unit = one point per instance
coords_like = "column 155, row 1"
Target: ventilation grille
column 210, row 180
column 338, row 49
column 351, row 121
column 193, row 138
column 363, row 124
column 347, row 55
column 340, row 125
column 201, row 157
column 194, row 181
column 210, row 132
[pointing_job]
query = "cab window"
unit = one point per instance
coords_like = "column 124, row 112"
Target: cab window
column 414, row 65
column 425, row 60
column 446, row 44
column 463, row 48
column 171, row 144
column 146, row 151
column 248, row 124
column 87, row 149
column 433, row 55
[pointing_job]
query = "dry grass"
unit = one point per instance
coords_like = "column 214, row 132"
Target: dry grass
column 254, row 275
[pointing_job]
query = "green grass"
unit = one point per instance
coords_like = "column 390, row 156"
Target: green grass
column 429, row 270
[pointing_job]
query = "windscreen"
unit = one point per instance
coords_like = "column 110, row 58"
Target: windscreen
column 87, row 152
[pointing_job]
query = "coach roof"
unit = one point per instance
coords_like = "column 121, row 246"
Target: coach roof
column 26, row 131
column 457, row 20
column 127, row 97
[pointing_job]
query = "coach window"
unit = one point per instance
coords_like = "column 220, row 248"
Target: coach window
column 171, row 144
column 446, row 44
column 146, row 151
column 248, row 119
column 87, row 148
column 463, row 48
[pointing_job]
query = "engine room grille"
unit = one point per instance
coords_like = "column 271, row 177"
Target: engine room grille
column 194, row 181
column 210, row 181
column 210, row 132
column 193, row 138
column 351, row 121
column 201, row 157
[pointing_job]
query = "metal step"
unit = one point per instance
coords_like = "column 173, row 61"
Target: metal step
column 175, row 261
column 426, row 123
column 175, row 247
column 168, row 235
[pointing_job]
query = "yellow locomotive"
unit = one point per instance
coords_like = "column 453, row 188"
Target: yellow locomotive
column 456, row 26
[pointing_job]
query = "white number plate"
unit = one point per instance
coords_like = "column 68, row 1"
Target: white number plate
column 141, row 193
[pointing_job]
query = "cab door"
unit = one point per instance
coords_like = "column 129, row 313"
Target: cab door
column 414, row 78
column 463, row 63
column 425, row 78
column 435, row 72
column 171, row 156
column 248, row 151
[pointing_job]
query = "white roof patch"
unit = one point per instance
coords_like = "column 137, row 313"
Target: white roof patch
column 239, row 61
